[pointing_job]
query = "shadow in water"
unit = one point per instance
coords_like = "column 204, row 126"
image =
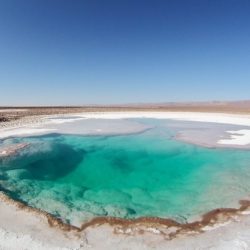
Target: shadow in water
column 56, row 163
column 49, row 163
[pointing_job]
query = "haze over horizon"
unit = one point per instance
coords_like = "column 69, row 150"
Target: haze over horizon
column 106, row 52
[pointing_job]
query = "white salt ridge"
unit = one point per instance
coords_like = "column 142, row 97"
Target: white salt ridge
column 183, row 116
column 239, row 137
column 4, row 133
column 64, row 120
column 218, row 225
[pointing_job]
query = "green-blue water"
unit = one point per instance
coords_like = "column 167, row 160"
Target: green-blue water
column 147, row 174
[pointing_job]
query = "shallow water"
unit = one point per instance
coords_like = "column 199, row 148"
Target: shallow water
column 148, row 174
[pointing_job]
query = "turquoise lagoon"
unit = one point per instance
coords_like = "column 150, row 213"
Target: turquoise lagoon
column 78, row 177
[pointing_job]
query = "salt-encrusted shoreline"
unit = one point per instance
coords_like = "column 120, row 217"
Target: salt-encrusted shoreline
column 237, row 138
column 23, row 227
column 26, row 228
column 39, row 125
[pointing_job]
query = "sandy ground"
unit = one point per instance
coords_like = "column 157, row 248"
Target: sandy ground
column 24, row 229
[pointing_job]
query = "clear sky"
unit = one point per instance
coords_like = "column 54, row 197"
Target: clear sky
column 74, row 52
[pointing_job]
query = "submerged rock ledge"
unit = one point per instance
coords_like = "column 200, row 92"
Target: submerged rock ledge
column 10, row 150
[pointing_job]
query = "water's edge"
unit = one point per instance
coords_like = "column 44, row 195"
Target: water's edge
column 211, row 218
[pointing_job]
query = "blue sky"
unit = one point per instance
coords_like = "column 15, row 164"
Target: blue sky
column 61, row 52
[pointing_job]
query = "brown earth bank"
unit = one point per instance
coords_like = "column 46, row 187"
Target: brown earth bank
column 14, row 113
column 169, row 228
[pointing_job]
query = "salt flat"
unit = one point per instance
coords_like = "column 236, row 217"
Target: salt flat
column 48, row 124
column 32, row 231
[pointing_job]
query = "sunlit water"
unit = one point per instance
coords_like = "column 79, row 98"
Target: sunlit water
column 77, row 178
